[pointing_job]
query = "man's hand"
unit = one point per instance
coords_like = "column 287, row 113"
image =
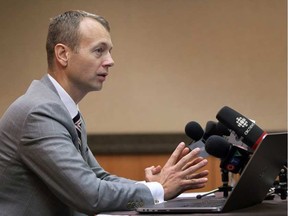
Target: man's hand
column 152, row 170
column 180, row 172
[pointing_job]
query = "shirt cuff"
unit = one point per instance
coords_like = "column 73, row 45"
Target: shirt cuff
column 156, row 190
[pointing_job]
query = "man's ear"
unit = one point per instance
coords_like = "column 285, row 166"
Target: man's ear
column 61, row 54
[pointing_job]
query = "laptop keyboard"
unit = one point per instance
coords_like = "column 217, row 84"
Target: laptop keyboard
column 216, row 202
column 204, row 202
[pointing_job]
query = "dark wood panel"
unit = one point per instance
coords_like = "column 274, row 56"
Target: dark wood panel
column 135, row 143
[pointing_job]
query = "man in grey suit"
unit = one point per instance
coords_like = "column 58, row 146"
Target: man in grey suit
column 46, row 167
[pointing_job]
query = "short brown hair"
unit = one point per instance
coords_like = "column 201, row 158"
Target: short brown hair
column 64, row 29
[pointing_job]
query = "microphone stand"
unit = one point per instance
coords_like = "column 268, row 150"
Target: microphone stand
column 281, row 185
column 225, row 188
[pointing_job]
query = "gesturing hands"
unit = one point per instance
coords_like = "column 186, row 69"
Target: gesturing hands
column 180, row 173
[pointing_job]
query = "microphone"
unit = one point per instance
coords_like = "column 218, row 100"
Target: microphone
column 210, row 129
column 229, row 135
column 195, row 132
column 199, row 137
column 222, row 130
column 215, row 128
column 246, row 129
column 233, row 158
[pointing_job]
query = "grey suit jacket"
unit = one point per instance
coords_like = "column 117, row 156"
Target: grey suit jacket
column 43, row 170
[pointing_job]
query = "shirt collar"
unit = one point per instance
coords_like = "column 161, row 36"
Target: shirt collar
column 71, row 106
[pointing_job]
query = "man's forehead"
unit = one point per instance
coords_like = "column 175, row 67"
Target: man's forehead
column 91, row 24
column 91, row 29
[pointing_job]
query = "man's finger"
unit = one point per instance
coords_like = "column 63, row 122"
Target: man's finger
column 195, row 167
column 175, row 155
column 193, row 162
column 183, row 161
column 156, row 170
column 185, row 151
column 201, row 174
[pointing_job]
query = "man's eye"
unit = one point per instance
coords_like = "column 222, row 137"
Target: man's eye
column 99, row 50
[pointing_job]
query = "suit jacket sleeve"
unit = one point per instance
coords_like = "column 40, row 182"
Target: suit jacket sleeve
column 103, row 174
column 47, row 147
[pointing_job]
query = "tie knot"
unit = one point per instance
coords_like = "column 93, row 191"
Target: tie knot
column 77, row 118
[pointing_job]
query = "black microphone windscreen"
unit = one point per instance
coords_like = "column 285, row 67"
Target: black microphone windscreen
column 194, row 130
column 242, row 126
column 222, row 129
column 217, row 146
column 210, row 129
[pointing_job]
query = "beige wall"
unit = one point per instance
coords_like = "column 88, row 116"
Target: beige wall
column 176, row 60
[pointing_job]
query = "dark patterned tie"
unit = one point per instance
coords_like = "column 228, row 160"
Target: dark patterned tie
column 77, row 122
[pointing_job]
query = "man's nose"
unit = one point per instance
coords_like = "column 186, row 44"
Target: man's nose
column 109, row 61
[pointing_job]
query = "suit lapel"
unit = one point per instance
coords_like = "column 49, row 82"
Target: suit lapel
column 83, row 149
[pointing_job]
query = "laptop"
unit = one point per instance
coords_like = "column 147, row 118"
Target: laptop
column 255, row 181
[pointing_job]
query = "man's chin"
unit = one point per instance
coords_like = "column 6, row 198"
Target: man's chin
column 97, row 88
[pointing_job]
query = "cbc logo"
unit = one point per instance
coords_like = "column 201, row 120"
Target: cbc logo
column 241, row 122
